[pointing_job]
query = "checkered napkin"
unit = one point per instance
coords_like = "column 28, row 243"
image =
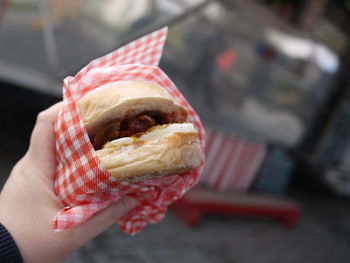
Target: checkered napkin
column 82, row 184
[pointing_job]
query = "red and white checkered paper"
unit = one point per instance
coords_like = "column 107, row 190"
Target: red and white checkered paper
column 232, row 163
column 82, row 184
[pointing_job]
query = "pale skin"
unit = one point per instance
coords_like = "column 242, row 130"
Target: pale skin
column 28, row 203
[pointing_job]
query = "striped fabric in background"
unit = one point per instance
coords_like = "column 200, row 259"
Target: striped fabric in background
column 231, row 163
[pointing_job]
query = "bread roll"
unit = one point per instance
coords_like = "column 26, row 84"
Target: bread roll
column 139, row 132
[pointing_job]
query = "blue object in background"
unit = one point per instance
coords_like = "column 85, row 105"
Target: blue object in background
column 334, row 152
column 276, row 172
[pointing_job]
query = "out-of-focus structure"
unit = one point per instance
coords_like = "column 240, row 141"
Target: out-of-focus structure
column 268, row 73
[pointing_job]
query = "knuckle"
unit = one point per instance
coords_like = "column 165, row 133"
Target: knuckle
column 42, row 116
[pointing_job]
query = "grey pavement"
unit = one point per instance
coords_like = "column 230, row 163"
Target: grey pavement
column 225, row 239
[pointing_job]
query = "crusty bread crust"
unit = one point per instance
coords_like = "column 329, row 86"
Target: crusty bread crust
column 116, row 100
column 141, row 160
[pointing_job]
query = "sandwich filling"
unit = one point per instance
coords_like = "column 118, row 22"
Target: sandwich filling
column 120, row 128
column 154, row 133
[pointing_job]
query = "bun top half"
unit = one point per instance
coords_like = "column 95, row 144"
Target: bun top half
column 117, row 100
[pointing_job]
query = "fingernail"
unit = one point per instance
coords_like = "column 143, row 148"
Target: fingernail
column 124, row 206
column 130, row 203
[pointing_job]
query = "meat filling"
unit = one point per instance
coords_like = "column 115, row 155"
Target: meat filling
column 117, row 128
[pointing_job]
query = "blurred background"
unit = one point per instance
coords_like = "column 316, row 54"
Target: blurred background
column 270, row 80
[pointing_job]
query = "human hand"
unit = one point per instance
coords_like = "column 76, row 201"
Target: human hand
column 28, row 203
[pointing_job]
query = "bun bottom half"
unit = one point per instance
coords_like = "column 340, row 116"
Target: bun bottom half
column 147, row 159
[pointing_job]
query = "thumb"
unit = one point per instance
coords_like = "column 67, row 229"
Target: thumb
column 42, row 141
column 105, row 218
